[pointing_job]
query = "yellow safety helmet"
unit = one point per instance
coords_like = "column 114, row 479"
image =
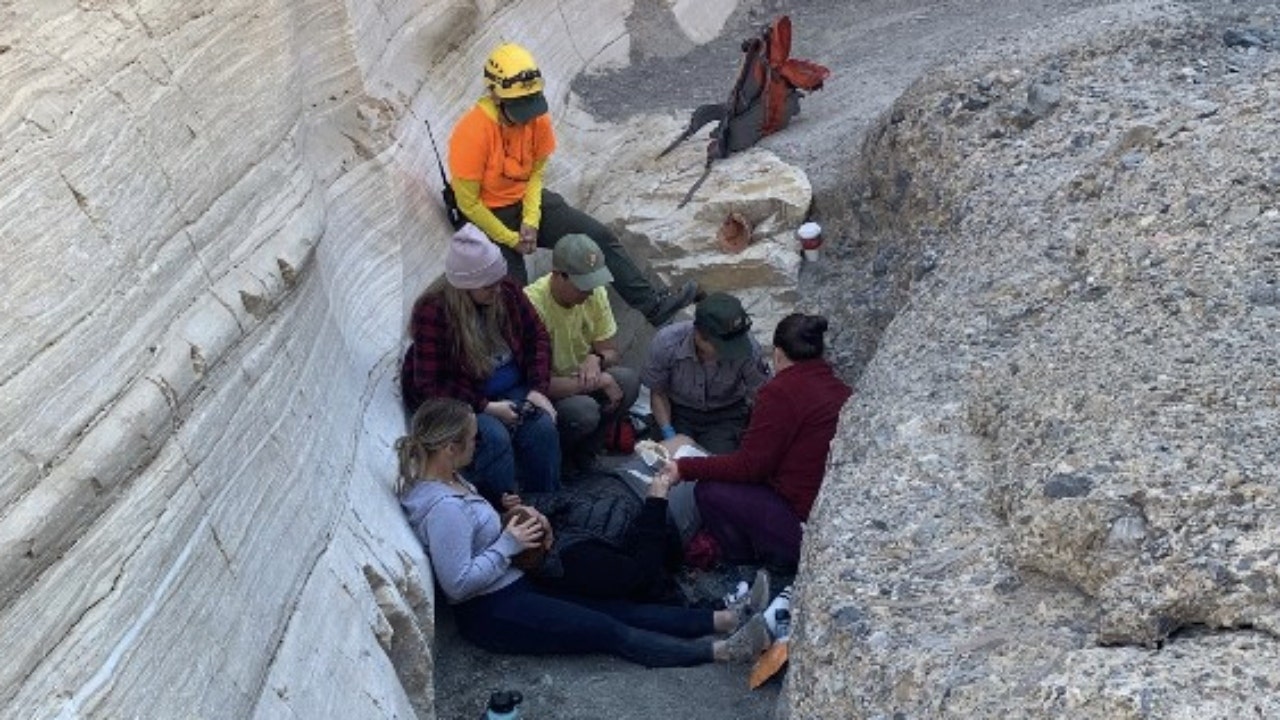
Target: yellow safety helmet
column 512, row 75
column 510, row 72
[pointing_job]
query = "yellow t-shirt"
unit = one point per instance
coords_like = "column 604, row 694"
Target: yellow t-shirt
column 572, row 330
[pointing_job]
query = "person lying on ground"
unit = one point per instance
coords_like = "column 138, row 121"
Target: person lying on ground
column 607, row 545
column 703, row 375
column 495, row 605
column 498, row 153
column 753, row 501
column 477, row 338
column 588, row 386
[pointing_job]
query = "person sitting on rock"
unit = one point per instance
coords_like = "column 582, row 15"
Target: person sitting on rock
column 477, row 338
column 703, row 375
column 588, row 385
column 495, row 605
column 753, row 501
column 498, row 152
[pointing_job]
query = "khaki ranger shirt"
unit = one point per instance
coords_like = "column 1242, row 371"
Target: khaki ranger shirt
column 673, row 369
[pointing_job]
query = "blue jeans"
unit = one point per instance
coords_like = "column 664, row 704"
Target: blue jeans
column 507, row 461
column 519, row 620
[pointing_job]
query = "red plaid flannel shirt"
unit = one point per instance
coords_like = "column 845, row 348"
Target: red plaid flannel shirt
column 431, row 370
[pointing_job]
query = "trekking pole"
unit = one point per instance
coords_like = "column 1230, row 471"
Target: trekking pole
column 719, row 146
column 706, row 170
column 456, row 219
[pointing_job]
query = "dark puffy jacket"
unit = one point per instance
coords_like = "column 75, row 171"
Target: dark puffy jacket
column 609, row 515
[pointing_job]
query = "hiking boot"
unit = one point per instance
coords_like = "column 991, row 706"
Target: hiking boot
column 747, row 643
column 667, row 303
column 747, row 601
column 760, row 592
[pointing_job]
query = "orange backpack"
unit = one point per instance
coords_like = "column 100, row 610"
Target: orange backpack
column 765, row 96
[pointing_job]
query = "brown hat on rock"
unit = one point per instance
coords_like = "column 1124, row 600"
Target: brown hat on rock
column 722, row 321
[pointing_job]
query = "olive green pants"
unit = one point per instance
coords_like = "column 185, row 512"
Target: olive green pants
column 559, row 218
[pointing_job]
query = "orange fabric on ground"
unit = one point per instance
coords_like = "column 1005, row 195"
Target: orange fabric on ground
column 500, row 156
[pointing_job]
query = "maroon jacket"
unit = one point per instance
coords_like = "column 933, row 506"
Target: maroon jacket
column 786, row 444
column 431, row 370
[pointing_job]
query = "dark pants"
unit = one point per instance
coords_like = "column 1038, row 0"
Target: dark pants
column 751, row 523
column 582, row 418
column 519, row 620
column 635, row 568
column 559, row 219
column 719, row 431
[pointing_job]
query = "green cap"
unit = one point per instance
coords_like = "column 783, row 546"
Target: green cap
column 722, row 321
column 580, row 258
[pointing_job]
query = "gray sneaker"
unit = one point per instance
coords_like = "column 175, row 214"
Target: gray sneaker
column 760, row 591
column 747, row 601
column 748, row 642
column 667, row 303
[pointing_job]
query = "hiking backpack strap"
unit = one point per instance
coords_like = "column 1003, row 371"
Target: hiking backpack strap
column 763, row 98
column 745, row 89
column 740, row 98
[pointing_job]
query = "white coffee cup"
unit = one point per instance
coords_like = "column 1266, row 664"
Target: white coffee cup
column 809, row 233
column 810, row 237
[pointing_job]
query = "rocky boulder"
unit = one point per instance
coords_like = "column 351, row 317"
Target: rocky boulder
column 1055, row 491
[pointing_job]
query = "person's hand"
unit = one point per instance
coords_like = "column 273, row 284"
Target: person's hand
column 542, row 402
column 504, row 410
column 612, row 390
column 670, row 472
column 660, row 485
column 590, row 373
column 548, row 534
column 528, row 239
column 527, row 532
column 510, row 501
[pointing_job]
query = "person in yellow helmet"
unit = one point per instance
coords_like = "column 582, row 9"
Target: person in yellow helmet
column 498, row 152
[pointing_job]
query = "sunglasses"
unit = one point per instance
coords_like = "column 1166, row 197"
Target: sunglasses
column 525, row 78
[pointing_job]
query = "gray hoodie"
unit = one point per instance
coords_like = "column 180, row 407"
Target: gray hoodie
column 470, row 552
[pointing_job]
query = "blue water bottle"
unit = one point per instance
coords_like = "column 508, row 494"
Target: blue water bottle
column 504, row 705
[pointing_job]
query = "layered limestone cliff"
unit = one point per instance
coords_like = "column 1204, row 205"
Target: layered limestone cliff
column 205, row 206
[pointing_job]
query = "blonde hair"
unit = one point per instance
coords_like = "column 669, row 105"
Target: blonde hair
column 475, row 331
column 438, row 422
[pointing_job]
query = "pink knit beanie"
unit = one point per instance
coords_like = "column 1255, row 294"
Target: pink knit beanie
column 473, row 261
